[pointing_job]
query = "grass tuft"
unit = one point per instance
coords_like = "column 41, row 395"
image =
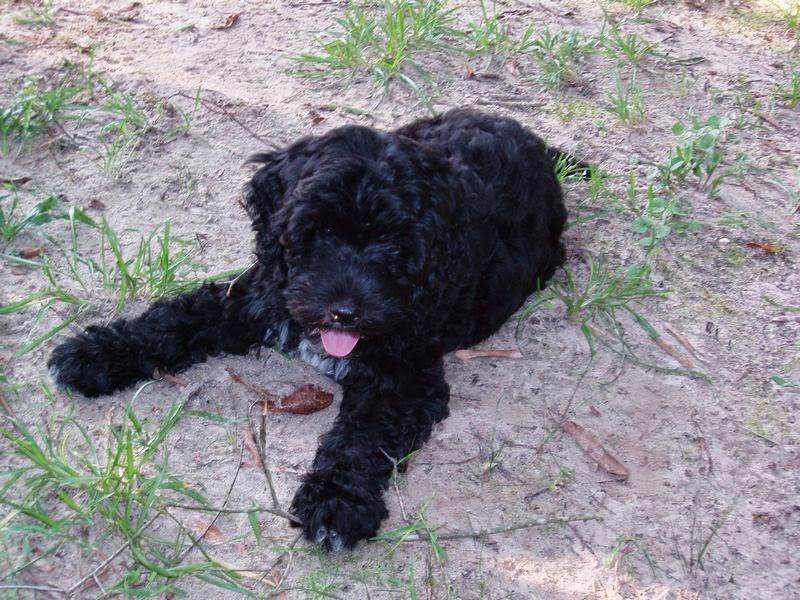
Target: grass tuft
column 160, row 265
column 65, row 484
column 383, row 42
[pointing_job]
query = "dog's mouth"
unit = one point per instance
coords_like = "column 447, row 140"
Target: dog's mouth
column 339, row 342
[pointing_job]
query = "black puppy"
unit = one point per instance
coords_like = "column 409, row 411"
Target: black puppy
column 377, row 254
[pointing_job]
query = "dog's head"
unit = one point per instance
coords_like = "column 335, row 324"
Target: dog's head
column 352, row 221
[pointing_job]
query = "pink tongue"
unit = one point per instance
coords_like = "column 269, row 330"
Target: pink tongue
column 339, row 343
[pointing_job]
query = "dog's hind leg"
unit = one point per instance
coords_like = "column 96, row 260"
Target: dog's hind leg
column 387, row 413
column 171, row 335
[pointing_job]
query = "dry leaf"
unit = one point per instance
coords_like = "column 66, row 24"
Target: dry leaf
column 204, row 530
column 249, row 441
column 589, row 444
column 476, row 353
column 30, row 252
column 317, row 119
column 512, row 66
column 304, row 400
column 229, row 22
column 768, row 248
column 674, row 353
column 686, row 343
column 595, row 411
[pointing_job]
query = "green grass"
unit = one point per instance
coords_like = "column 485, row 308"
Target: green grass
column 490, row 35
column 700, row 151
column 157, row 265
column 64, row 485
column 598, row 299
column 37, row 16
column 626, row 548
column 557, row 55
column 12, row 224
column 626, row 99
column 636, row 4
column 36, row 110
column 788, row 92
column 656, row 216
column 384, row 42
column 86, row 112
column 630, row 48
column 789, row 14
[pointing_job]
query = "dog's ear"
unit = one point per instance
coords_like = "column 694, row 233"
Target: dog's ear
column 266, row 193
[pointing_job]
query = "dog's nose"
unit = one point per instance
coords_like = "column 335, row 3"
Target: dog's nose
column 343, row 313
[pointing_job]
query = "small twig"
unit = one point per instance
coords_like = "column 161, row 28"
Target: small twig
column 266, row 397
column 395, row 486
column 233, row 511
column 786, row 319
column 6, row 406
column 99, row 585
column 175, row 380
column 224, row 502
column 77, row 586
column 703, row 447
column 261, row 442
column 540, row 522
column 277, row 561
column 221, row 111
column 34, row 588
column 238, row 277
column 577, row 534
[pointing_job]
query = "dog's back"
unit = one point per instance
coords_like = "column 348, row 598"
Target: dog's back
column 511, row 215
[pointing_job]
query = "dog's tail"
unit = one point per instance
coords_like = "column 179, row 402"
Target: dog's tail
column 568, row 165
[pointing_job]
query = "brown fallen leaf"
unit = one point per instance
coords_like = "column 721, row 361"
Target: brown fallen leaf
column 6, row 406
column 249, row 441
column 304, row 400
column 317, row 119
column 229, row 22
column 685, row 342
column 768, row 248
column 682, row 359
column 469, row 354
column 30, row 252
column 208, row 531
column 589, row 444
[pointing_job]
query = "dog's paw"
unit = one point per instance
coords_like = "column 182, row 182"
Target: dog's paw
column 339, row 508
column 94, row 363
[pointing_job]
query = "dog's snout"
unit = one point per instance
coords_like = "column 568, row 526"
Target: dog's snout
column 343, row 313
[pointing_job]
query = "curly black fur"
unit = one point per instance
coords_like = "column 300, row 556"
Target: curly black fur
column 409, row 244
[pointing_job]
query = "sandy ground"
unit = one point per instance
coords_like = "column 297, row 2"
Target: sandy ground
column 714, row 462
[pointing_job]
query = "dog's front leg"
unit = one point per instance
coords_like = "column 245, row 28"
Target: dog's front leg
column 170, row 335
column 386, row 413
